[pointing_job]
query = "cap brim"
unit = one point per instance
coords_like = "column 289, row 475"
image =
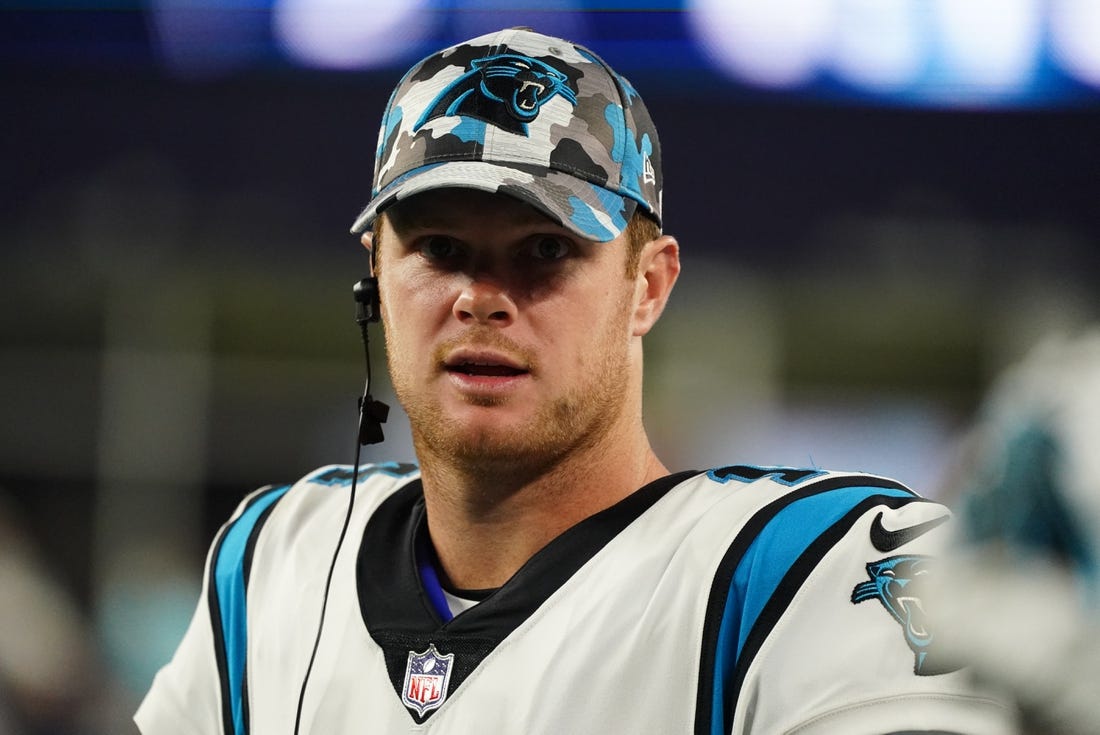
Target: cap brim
column 586, row 209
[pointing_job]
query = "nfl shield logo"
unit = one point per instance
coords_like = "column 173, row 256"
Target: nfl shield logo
column 427, row 675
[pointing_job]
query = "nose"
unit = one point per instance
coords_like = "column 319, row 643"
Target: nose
column 484, row 303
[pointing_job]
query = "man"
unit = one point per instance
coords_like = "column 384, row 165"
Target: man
column 1026, row 485
column 542, row 572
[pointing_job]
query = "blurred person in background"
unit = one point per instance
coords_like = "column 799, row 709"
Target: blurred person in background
column 50, row 682
column 1025, row 605
column 541, row 570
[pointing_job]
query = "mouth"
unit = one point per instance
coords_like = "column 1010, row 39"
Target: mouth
column 527, row 97
column 487, row 370
column 483, row 365
column 915, row 617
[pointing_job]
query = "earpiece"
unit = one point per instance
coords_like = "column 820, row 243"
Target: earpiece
column 372, row 413
column 367, row 305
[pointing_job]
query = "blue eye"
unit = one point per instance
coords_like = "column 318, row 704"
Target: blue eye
column 439, row 247
column 550, row 248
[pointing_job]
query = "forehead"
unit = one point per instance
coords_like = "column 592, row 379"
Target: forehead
column 457, row 207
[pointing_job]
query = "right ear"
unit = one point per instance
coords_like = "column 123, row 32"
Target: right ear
column 368, row 242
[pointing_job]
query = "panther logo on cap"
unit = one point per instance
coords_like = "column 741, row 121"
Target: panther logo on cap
column 505, row 90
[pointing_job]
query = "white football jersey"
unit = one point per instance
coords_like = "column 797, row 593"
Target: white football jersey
column 738, row 600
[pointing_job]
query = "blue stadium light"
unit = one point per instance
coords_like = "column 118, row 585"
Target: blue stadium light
column 350, row 34
column 880, row 45
column 988, row 48
column 776, row 44
column 1075, row 33
column 921, row 53
column 968, row 53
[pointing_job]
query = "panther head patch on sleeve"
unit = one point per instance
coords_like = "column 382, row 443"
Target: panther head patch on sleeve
column 899, row 583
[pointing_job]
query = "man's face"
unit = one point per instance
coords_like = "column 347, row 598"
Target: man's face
column 510, row 340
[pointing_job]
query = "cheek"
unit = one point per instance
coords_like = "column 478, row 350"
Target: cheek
column 408, row 300
column 583, row 331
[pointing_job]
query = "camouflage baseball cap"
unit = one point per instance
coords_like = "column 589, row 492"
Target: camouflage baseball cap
column 531, row 116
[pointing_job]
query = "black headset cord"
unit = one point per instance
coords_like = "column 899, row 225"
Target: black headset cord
column 372, row 414
column 328, row 583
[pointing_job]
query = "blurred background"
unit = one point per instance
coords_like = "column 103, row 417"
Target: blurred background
column 881, row 204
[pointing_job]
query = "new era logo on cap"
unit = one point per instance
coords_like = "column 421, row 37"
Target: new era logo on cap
column 531, row 116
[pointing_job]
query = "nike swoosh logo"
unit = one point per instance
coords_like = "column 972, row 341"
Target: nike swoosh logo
column 885, row 540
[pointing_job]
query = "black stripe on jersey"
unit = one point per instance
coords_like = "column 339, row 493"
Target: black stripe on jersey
column 793, row 580
column 399, row 616
column 788, row 586
column 219, row 635
column 250, row 550
column 217, row 624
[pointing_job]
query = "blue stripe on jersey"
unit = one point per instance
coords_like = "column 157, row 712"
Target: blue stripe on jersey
column 342, row 475
column 229, row 578
column 767, row 560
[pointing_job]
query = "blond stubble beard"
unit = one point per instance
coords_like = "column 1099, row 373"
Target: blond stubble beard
column 570, row 423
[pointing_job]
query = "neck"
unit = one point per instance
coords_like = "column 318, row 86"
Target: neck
column 485, row 523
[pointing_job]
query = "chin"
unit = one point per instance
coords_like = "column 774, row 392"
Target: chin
column 511, row 434
column 492, row 439
column 497, row 436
